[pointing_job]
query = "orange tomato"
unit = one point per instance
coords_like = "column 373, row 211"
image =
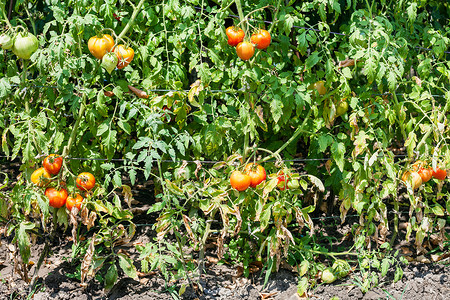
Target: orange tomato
column 245, row 50
column 235, row 35
column 98, row 45
column 57, row 198
column 53, row 163
column 85, row 181
column 40, row 177
column 74, row 201
column 240, row 181
column 412, row 178
column 261, row 39
column 124, row 55
column 256, row 172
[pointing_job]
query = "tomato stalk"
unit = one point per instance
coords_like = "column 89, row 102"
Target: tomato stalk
column 242, row 18
column 201, row 256
column 73, row 134
column 136, row 11
column 5, row 17
column 293, row 137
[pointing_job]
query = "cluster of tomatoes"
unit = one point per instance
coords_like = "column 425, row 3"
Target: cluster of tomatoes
column 58, row 196
column 255, row 174
column 245, row 49
column 102, row 46
column 421, row 173
column 23, row 44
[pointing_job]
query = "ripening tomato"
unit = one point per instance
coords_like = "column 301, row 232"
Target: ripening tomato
column 245, row 50
column 319, row 86
column 99, row 45
column 235, row 35
column 283, row 181
column 261, row 39
column 74, row 201
column 425, row 174
column 57, row 198
column 439, row 173
column 85, row 181
column 40, row 177
column 53, row 163
column 412, row 178
column 124, row 55
column 256, row 172
column 240, row 181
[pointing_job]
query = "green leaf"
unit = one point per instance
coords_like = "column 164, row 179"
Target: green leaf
column 384, row 266
column 324, row 141
column 127, row 266
column 111, row 277
column 24, row 241
column 438, row 210
column 338, row 152
column 312, row 60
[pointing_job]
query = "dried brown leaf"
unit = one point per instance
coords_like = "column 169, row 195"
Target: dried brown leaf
column 128, row 196
column 346, row 63
column 138, row 92
column 86, row 263
column 108, row 93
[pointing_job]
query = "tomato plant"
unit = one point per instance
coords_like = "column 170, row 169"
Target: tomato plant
column 235, row 35
column 261, row 39
column 245, row 50
column 240, row 181
column 74, row 202
column 40, row 177
column 57, row 197
column 53, row 163
column 256, row 172
column 85, row 181
column 99, row 45
column 124, row 55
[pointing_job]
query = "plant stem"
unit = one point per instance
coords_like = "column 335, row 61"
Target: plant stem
column 5, row 17
column 293, row 137
column 201, row 256
column 23, row 84
column 132, row 18
column 73, row 134
column 33, row 25
column 180, row 249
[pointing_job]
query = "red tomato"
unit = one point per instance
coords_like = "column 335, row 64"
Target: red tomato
column 53, row 163
column 85, row 181
column 256, row 172
column 40, row 177
column 261, row 39
column 439, row 173
column 235, row 35
column 240, row 181
column 71, row 202
column 124, row 55
column 57, row 198
column 245, row 50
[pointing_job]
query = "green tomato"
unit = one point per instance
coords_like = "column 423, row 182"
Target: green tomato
column 341, row 108
column 341, row 268
column 182, row 174
column 25, row 44
column 293, row 184
column 109, row 61
column 328, row 276
column 6, row 42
